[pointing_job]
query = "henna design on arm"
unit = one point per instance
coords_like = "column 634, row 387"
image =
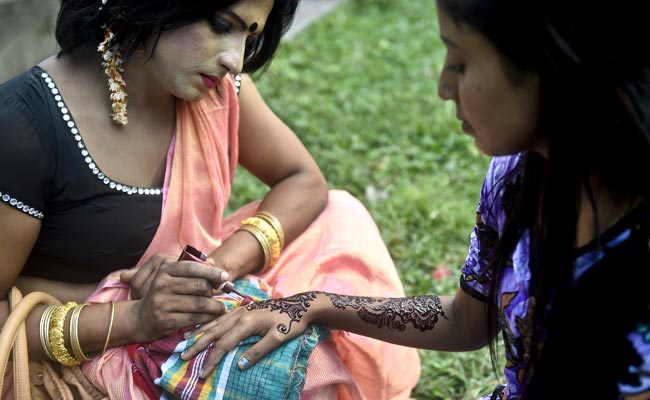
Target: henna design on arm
column 294, row 306
column 394, row 313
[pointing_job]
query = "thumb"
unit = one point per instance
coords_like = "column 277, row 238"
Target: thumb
column 126, row 276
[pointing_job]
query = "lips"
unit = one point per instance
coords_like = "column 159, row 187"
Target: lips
column 210, row 80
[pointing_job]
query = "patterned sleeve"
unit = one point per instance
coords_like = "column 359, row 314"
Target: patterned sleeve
column 24, row 161
column 475, row 275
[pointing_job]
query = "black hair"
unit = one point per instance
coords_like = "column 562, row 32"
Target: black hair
column 80, row 24
column 594, row 74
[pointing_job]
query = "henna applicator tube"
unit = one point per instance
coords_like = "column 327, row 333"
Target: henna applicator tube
column 192, row 254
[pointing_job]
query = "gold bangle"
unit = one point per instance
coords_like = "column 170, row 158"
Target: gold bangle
column 110, row 327
column 44, row 331
column 269, row 233
column 74, row 334
column 275, row 223
column 262, row 240
column 57, row 341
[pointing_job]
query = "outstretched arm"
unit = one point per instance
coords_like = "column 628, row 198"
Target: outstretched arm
column 449, row 323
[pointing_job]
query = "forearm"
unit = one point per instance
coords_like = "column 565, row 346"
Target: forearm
column 427, row 322
column 93, row 327
column 93, row 320
column 295, row 202
column 408, row 321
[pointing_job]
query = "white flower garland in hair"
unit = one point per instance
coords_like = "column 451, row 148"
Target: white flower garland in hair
column 112, row 64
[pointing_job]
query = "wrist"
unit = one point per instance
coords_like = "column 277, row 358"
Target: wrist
column 318, row 310
column 239, row 255
column 130, row 329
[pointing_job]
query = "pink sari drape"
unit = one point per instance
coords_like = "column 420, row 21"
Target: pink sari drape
column 340, row 252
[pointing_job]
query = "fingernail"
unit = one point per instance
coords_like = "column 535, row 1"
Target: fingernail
column 188, row 334
column 243, row 363
column 224, row 276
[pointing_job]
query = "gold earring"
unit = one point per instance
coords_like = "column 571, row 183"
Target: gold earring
column 112, row 64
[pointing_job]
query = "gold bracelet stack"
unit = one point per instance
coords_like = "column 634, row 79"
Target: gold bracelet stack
column 44, row 331
column 57, row 341
column 74, row 334
column 51, row 333
column 262, row 241
column 268, row 232
column 275, row 224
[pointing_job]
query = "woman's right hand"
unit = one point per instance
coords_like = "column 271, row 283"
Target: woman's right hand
column 177, row 294
column 140, row 278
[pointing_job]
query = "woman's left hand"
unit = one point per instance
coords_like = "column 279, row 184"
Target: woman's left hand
column 276, row 321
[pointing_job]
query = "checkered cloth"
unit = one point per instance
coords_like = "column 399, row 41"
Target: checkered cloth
column 159, row 370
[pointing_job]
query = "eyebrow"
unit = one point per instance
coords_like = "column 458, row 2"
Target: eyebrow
column 239, row 20
column 449, row 42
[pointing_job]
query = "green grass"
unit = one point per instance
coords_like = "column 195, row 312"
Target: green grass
column 359, row 89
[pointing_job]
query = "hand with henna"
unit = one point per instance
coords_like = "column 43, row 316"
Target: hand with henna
column 408, row 321
column 275, row 320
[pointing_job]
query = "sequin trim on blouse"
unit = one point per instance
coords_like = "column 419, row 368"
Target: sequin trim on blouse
column 67, row 118
column 14, row 202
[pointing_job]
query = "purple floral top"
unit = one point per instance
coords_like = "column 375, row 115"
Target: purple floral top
column 513, row 291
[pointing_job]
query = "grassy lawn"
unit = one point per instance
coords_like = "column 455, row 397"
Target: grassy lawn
column 359, row 88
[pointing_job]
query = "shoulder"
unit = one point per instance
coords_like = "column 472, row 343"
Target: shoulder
column 24, row 84
column 23, row 96
column 25, row 107
column 26, row 144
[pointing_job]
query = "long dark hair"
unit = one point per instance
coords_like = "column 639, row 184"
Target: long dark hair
column 79, row 24
column 594, row 73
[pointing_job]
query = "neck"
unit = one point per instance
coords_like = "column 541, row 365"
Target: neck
column 145, row 92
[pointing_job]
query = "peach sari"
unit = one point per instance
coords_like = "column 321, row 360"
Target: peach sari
column 341, row 251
